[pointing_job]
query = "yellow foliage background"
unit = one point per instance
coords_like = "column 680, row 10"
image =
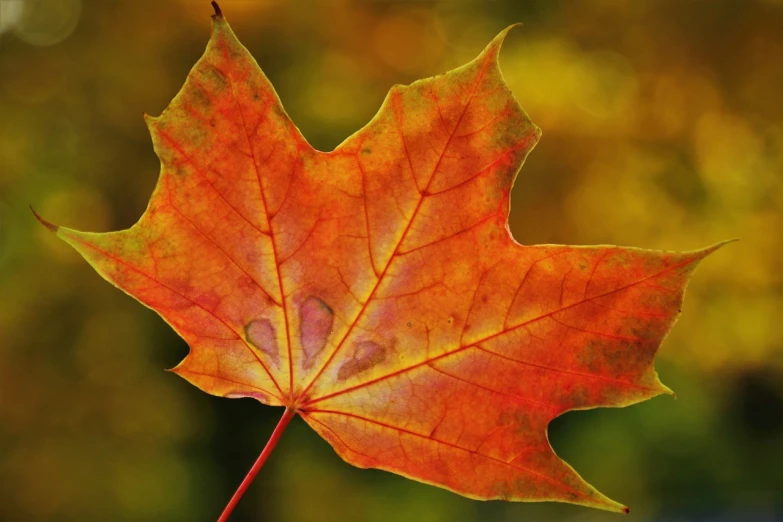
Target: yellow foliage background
column 663, row 128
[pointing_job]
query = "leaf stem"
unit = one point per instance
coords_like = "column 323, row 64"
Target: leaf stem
column 270, row 445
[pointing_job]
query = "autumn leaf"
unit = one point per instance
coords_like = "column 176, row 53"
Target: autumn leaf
column 376, row 291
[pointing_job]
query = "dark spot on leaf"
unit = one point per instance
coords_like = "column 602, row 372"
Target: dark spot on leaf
column 577, row 398
column 316, row 319
column 501, row 490
column 253, row 395
column 214, row 76
column 261, row 334
column 366, row 355
column 200, row 98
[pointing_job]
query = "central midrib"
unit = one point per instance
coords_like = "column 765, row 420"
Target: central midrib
column 423, row 194
column 271, row 228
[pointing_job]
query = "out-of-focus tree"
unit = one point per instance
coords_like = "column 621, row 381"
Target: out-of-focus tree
column 663, row 128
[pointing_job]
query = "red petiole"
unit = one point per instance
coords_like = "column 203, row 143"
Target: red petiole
column 270, row 445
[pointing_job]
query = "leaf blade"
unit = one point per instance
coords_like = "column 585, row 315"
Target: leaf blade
column 376, row 288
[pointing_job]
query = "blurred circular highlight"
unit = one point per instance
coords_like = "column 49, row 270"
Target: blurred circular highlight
column 42, row 22
column 10, row 13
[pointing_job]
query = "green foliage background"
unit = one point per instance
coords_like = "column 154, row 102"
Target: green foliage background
column 663, row 128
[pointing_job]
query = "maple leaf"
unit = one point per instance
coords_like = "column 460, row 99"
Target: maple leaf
column 376, row 290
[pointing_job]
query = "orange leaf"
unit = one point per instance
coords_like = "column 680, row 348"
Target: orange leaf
column 376, row 289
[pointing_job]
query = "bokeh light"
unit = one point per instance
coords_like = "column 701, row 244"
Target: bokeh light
column 662, row 128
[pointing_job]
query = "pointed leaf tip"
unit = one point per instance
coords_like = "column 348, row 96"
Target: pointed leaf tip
column 721, row 244
column 497, row 42
column 51, row 226
column 342, row 394
column 508, row 29
column 701, row 254
column 218, row 12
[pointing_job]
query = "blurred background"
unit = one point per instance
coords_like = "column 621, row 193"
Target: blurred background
column 662, row 128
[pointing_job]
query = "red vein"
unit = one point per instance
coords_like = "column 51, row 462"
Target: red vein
column 502, row 332
column 211, row 376
column 564, row 371
column 302, row 244
column 398, row 122
column 402, row 237
column 414, row 292
column 598, row 334
column 326, row 426
column 628, row 312
column 384, row 377
column 238, row 105
column 506, row 112
column 473, row 301
column 521, row 143
column 366, row 214
column 174, row 143
column 592, row 272
column 226, row 254
column 465, row 230
column 194, row 303
column 524, row 280
column 547, row 407
column 454, row 446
